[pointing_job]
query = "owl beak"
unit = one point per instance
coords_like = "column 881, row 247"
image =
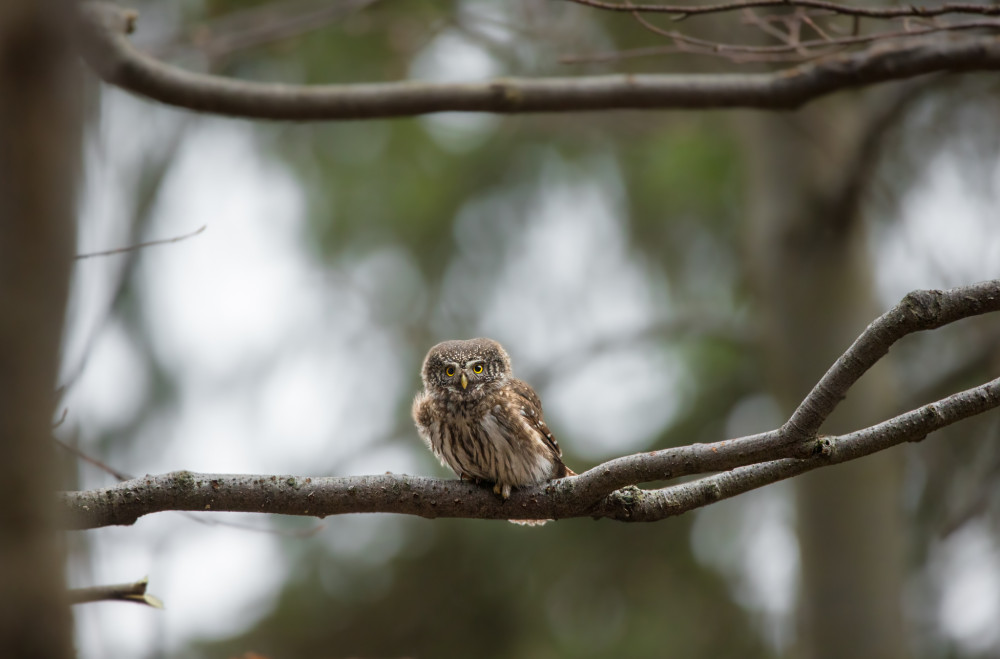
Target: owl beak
column 465, row 381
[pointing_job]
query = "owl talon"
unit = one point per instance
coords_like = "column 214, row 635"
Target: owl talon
column 472, row 479
column 503, row 490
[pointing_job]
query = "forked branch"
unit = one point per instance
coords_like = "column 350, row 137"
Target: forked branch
column 608, row 489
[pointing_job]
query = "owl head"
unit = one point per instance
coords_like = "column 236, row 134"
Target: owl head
column 466, row 368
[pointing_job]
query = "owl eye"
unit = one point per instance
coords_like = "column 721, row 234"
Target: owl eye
column 478, row 368
column 450, row 371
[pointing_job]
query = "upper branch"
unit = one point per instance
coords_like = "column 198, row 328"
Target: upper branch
column 109, row 52
column 899, row 11
column 746, row 463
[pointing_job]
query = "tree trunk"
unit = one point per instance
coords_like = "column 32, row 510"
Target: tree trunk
column 39, row 160
column 811, row 276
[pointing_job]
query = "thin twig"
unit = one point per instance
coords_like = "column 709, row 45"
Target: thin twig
column 62, row 418
column 724, row 49
column 258, row 26
column 120, row 475
column 807, row 19
column 138, row 246
column 683, row 11
column 124, row 592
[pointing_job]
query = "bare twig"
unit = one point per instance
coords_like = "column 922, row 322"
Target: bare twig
column 608, row 489
column 62, row 418
column 138, row 246
column 120, row 475
column 683, row 11
column 257, row 26
column 123, row 592
column 707, row 47
column 113, row 57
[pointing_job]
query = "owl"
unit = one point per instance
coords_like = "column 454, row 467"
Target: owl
column 483, row 422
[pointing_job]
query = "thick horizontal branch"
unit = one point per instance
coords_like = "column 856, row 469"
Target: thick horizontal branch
column 427, row 497
column 125, row 502
column 109, row 52
column 605, row 490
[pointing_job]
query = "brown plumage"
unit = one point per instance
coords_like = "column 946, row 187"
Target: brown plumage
column 483, row 422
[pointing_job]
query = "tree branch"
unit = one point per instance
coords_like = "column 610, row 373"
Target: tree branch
column 251, row 27
column 809, row 49
column 918, row 311
column 608, row 489
column 139, row 246
column 108, row 51
column 124, row 592
column 683, row 11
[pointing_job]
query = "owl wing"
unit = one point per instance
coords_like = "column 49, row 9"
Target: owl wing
column 423, row 415
column 531, row 410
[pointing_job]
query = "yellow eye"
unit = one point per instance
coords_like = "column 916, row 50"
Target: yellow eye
column 450, row 371
column 478, row 368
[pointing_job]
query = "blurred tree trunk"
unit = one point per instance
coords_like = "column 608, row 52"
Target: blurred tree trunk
column 812, row 278
column 39, row 159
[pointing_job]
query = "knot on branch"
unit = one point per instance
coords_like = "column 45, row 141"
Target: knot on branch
column 627, row 500
column 507, row 96
column 923, row 307
column 711, row 491
column 823, row 446
column 103, row 27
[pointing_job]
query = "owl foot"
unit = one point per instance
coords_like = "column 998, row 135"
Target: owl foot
column 502, row 489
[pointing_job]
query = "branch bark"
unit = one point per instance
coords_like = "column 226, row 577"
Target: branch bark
column 109, row 52
column 607, row 490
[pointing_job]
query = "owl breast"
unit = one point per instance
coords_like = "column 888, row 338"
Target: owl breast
column 489, row 442
column 517, row 466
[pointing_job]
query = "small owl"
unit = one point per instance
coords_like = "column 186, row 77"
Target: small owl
column 483, row 422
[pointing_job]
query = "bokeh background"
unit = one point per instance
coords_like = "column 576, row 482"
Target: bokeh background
column 661, row 278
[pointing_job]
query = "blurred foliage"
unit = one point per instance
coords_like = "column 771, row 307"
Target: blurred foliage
column 493, row 590
column 472, row 588
column 479, row 588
